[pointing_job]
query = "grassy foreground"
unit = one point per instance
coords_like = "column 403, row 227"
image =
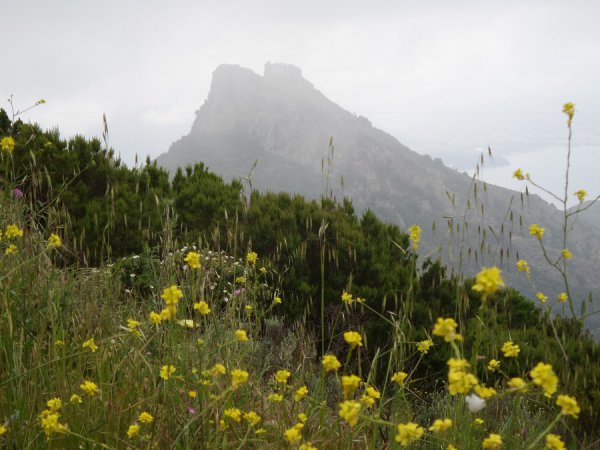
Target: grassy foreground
column 201, row 359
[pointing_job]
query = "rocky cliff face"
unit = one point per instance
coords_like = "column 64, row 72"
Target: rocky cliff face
column 283, row 122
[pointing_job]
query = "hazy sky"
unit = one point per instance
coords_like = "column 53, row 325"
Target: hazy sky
column 446, row 78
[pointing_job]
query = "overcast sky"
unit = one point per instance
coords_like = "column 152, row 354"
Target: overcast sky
column 447, row 78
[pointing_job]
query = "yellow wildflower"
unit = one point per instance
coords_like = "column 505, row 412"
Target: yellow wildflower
column 493, row 365
column 90, row 344
column 569, row 110
column 155, row 318
column 440, row 425
column 218, row 369
column 484, row 392
column 487, row 281
column 301, row 392
column 133, row 326
column 202, row 307
column 580, row 194
column 275, row 397
column 568, row 406
column 89, row 387
column 425, row 345
column 166, row 371
column 347, row 298
column 543, row 375
column 11, row 249
column 171, row 295
column 541, row 297
column 447, row 329
column 145, row 417
column 241, row 335
column 252, row 418
column 54, row 404
column 233, row 414
column 251, row 257
column 302, row 417
column 459, row 380
column 133, row 430
column 240, row 280
column 350, row 384
column 307, row 446
column 493, row 441
column 7, row 144
column 522, row 266
column 349, row 411
column 331, row 363
column 518, row 174
column 13, row 231
column 517, row 384
column 192, row 394
column 536, row 230
column 554, row 442
column 281, row 376
column 399, row 377
column 409, row 432
column 168, row 313
column 238, row 377
column 277, row 300
column 75, row 399
column 562, row 297
column 3, row 430
column 193, row 260
column 510, row 350
column 51, row 425
column 54, row 241
column 415, row 236
column 294, row 434
column 478, row 421
column 353, row 338
column 566, row 254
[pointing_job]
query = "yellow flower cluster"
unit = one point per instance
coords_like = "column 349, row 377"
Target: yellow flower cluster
column 568, row 406
column 536, row 230
column 415, row 236
column 493, row 365
column 518, row 174
column 440, row 425
column 543, row 375
column 408, row 432
column 350, row 384
column 349, row 411
column 7, row 143
column 510, row 349
column 581, row 194
column 487, row 281
column 460, row 381
column 238, row 377
column 193, row 260
column 522, row 266
column 446, row 328
column 281, row 376
column 331, row 363
column 399, row 377
column 251, row 257
column 353, row 339
column 424, row 346
column 554, row 442
column 493, row 441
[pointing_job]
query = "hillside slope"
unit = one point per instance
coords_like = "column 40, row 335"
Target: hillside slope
column 283, row 122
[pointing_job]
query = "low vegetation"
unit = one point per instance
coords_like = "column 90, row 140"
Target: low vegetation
column 143, row 312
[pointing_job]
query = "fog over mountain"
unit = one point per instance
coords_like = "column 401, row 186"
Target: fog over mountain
column 284, row 123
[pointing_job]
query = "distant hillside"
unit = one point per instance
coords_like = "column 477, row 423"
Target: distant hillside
column 283, row 122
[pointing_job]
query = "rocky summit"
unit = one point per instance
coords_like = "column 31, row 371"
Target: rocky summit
column 304, row 143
